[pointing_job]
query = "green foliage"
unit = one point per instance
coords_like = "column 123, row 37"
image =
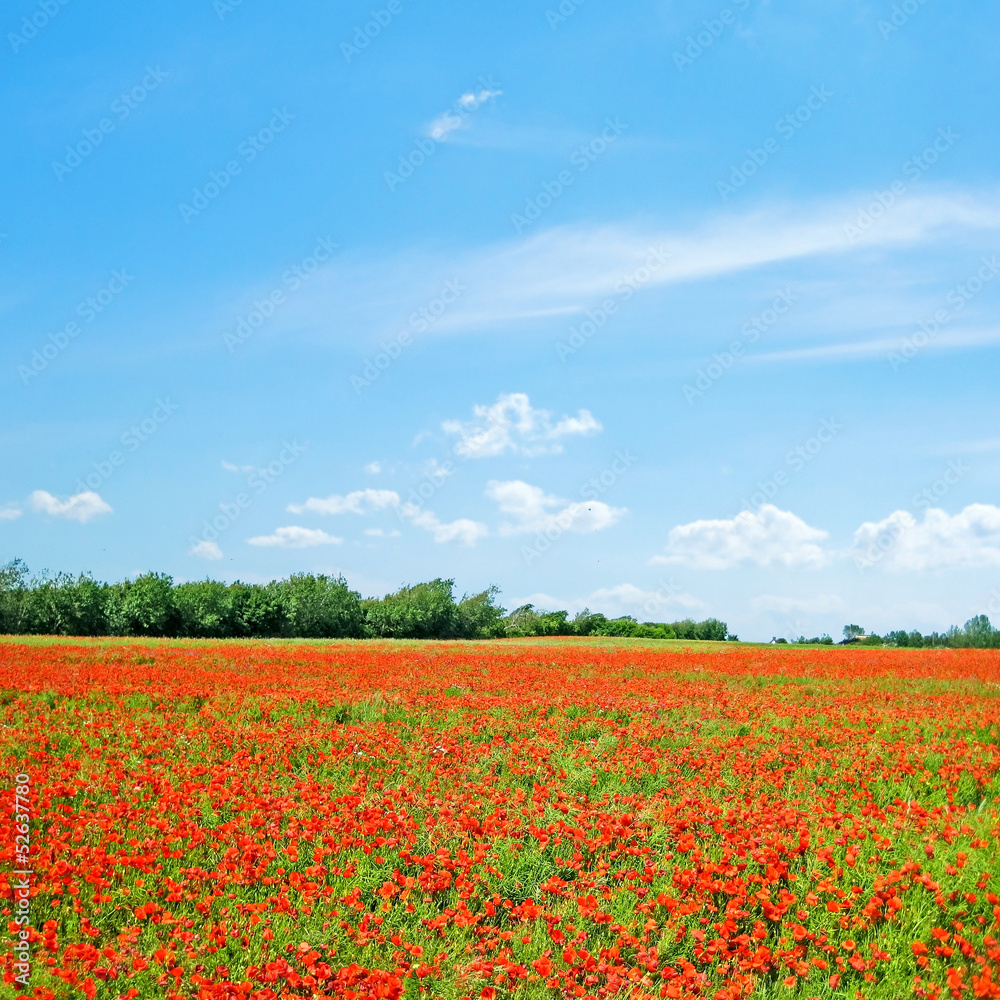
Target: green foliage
column 424, row 611
column 143, row 606
column 321, row 607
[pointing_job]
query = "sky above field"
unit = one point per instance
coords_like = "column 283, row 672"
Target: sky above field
column 660, row 309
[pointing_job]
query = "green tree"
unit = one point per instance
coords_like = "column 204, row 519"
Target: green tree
column 321, row 607
column 143, row 606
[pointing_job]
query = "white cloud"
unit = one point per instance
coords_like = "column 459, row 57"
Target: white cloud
column 512, row 424
column 379, row 533
column 967, row 540
column 532, row 510
column 232, row 467
column 357, row 502
column 80, row 507
column 820, row 604
column 767, row 537
column 373, row 468
column 206, row 550
column 464, row 106
column 10, row 513
column 295, row 537
column 463, row 530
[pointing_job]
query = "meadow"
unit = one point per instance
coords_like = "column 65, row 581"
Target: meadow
column 539, row 818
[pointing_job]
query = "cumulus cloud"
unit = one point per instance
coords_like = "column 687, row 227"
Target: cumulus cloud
column 295, row 537
column 10, row 513
column 512, row 424
column 766, row 537
column 462, row 530
column 357, row 502
column 80, row 507
column 900, row 543
column 373, row 468
column 820, row 604
column 534, row 510
column 206, row 550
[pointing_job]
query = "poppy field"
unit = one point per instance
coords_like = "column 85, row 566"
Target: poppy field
column 253, row 821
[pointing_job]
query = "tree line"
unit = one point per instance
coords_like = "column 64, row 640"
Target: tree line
column 303, row 606
column 976, row 633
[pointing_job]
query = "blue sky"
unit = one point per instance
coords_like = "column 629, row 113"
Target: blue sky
column 661, row 309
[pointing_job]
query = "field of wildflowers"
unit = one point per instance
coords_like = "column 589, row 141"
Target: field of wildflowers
column 253, row 821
